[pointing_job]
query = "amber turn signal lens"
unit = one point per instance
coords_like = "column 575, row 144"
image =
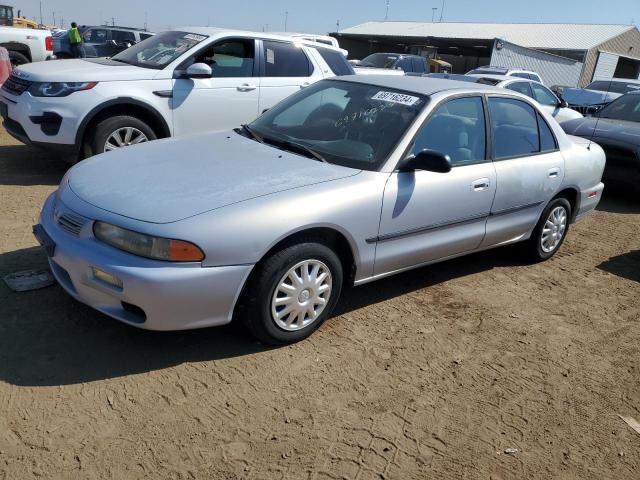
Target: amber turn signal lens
column 180, row 251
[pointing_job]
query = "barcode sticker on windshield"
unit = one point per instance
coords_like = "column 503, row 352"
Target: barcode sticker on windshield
column 193, row 36
column 395, row 98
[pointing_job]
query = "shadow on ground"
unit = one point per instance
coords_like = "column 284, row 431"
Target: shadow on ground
column 24, row 165
column 619, row 201
column 626, row 265
column 47, row 338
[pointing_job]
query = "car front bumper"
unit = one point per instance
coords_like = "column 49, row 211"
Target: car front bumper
column 41, row 121
column 154, row 295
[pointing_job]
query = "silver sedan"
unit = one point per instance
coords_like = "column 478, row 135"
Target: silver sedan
column 348, row 181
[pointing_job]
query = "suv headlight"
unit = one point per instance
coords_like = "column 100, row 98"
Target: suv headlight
column 146, row 245
column 59, row 89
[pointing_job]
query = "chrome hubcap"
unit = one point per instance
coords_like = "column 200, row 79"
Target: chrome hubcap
column 301, row 295
column 553, row 230
column 124, row 137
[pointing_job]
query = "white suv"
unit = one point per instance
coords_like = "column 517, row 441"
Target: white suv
column 175, row 83
column 507, row 72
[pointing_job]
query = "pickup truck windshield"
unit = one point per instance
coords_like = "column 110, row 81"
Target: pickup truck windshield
column 160, row 50
column 345, row 123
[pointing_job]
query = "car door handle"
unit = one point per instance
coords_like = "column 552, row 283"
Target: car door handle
column 554, row 172
column 245, row 87
column 304, row 85
column 480, row 184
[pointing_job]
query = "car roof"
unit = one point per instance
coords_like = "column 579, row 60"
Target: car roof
column 620, row 80
column 417, row 84
column 218, row 32
column 501, row 78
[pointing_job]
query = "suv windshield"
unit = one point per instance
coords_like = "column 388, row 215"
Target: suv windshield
column 613, row 87
column 379, row 60
column 345, row 123
column 160, row 50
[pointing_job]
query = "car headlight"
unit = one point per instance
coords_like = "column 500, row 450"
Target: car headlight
column 146, row 245
column 59, row 89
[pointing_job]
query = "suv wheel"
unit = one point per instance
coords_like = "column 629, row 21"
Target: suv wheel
column 293, row 292
column 120, row 131
column 551, row 230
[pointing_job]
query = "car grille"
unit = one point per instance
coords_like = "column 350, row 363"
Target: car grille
column 586, row 109
column 15, row 85
column 71, row 223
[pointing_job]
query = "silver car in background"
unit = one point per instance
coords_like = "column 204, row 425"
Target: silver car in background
column 349, row 180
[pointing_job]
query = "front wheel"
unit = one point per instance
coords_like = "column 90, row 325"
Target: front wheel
column 17, row 58
column 120, row 131
column 293, row 292
column 551, row 230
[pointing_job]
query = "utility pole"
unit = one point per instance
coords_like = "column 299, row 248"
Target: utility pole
column 442, row 11
column 286, row 19
column 433, row 13
column 41, row 14
column 386, row 14
column 54, row 17
column 146, row 17
column 337, row 26
column 113, row 21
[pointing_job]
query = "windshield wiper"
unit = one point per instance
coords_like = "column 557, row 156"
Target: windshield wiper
column 297, row 147
column 252, row 133
column 119, row 60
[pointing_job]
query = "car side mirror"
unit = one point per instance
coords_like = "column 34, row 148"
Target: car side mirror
column 199, row 70
column 429, row 160
column 563, row 103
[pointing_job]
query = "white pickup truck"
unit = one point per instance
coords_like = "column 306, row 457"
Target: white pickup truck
column 26, row 45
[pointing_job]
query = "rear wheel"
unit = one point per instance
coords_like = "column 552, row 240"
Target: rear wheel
column 551, row 230
column 293, row 292
column 120, row 131
column 17, row 58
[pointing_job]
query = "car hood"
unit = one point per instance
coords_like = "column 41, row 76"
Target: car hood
column 583, row 97
column 83, row 70
column 607, row 128
column 170, row 180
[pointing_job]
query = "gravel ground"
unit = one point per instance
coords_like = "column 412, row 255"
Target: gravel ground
column 429, row 374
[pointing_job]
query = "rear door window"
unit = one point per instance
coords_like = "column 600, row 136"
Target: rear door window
column 547, row 139
column 283, row 59
column 515, row 128
column 96, row 35
column 122, row 36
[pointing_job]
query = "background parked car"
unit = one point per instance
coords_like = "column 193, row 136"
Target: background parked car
column 26, row 44
column 597, row 94
column 507, row 72
column 100, row 41
column 391, row 61
column 173, row 83
column 554, row 106
column 618, row 133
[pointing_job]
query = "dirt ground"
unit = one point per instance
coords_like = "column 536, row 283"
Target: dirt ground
column 429, row 374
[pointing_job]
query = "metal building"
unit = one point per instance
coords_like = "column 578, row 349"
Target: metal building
column 558, row 51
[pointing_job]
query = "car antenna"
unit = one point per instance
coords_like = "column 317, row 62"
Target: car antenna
column 595, row 127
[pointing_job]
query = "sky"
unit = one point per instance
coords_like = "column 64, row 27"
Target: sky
column 321, row 16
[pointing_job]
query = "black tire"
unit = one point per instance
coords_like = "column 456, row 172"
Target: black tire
column 534, row 247
column 106, row 127
column 262, row 287
column 17, row 58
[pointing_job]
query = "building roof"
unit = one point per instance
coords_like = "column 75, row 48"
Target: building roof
column 564, row 36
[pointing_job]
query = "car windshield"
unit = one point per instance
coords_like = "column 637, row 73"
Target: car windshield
column 613, row 87
column 485, row 71
column 346, row 123
column 624, row 108
column 379, row 60
column 160, row 50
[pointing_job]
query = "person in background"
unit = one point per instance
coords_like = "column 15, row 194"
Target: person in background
column 75, row 39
